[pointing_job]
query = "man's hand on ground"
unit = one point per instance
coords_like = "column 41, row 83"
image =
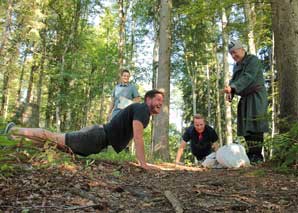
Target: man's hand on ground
column 149, row 166
column 179, row 163
column 215, row 146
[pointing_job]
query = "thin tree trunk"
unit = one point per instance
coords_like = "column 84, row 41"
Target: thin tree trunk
column 208, row 92
column 218, row 102
column 121, row 42
column 163, row 82
column 40, row 77
column 155, row 67
column 18, row 99
column 7, row 29
column 273, row 94
column 228, row 110
column 4, row 101
column 50, row 101
column 29, row 93
column 249, row 8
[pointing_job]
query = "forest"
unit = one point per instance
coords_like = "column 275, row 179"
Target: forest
column 61, row 59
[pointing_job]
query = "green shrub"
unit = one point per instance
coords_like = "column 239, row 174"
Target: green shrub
column 285, row 148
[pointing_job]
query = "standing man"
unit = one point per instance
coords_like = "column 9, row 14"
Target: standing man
column 123, row 94
column 128, row 124
column 202, row 139
column 248, row 83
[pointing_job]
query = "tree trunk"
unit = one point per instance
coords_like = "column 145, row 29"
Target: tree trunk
column 228, row 110
column 163, row 82
column 121, row 42
column 62, row 82
column 7, row 29
column 28, row 97
column 155, row 66
column 208, row 92
column 285, row 26
column 273, row 94
column 5, row 95
column 218, row 102
column 250, row 14
column 40, row 78
column 18, row 104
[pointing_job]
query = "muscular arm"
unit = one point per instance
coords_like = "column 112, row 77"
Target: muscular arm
column 138, row 131
column 180, row 151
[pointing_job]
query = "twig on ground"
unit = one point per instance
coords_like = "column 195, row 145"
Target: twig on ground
column 174, row 201
column 97, row 206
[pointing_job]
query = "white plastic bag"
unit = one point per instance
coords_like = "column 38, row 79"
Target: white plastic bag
column 210, row 160
column 232, row 156
column 124, row 102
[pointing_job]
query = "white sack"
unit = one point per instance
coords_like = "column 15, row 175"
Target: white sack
column 232, row 156
column 124, row 102
column 211, row 162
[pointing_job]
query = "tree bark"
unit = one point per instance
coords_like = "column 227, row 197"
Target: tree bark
column 7, row 28
column 156, row 25
column 228, row 110
column 285, row 27
column 161, row 121
column 121, row 42
column 250, row 14
column 5, row 94
column 218, row 102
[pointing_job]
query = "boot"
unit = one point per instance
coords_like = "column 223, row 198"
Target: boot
column 255, row 151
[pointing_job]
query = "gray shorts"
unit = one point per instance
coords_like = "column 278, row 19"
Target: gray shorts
column 87, row 141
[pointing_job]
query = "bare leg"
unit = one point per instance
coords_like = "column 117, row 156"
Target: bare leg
column 40, row 135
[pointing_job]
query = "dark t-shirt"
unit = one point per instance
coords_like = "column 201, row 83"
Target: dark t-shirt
column 119, row 130
column 200, row 148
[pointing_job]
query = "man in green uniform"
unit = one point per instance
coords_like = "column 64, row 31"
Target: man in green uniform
column 248, row 83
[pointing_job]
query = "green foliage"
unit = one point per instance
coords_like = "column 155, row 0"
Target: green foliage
column 257, row 173
column 111, row 155
column 5, row 169
column 285, row 148
column 174, row 141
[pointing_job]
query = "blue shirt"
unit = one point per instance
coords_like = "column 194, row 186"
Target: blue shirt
column 127, row 91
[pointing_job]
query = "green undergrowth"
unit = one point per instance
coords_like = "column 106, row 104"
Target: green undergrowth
column 285, row 151
column 111, row 155
column 15, row 155
column 19, row 155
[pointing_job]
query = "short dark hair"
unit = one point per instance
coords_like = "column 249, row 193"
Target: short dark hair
column 123, row 71
column 152, row 93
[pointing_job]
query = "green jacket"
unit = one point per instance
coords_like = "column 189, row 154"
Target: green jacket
column 248, row 82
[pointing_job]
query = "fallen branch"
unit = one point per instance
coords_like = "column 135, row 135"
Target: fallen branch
column 96, row 206
column 174, row 201
column 83, row 194
column 30, row 207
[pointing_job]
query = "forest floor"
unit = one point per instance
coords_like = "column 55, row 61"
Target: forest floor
column 52, row 181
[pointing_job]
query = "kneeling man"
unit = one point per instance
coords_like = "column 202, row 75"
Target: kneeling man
column 202, row 139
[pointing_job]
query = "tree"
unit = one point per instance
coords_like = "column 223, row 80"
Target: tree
column 285, row 27
column 249, row 8
column 161, row 122
column 228, row 111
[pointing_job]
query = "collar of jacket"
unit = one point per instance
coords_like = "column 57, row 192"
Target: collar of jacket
column 244, row 60
column 123, row 84
column 241, row 64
